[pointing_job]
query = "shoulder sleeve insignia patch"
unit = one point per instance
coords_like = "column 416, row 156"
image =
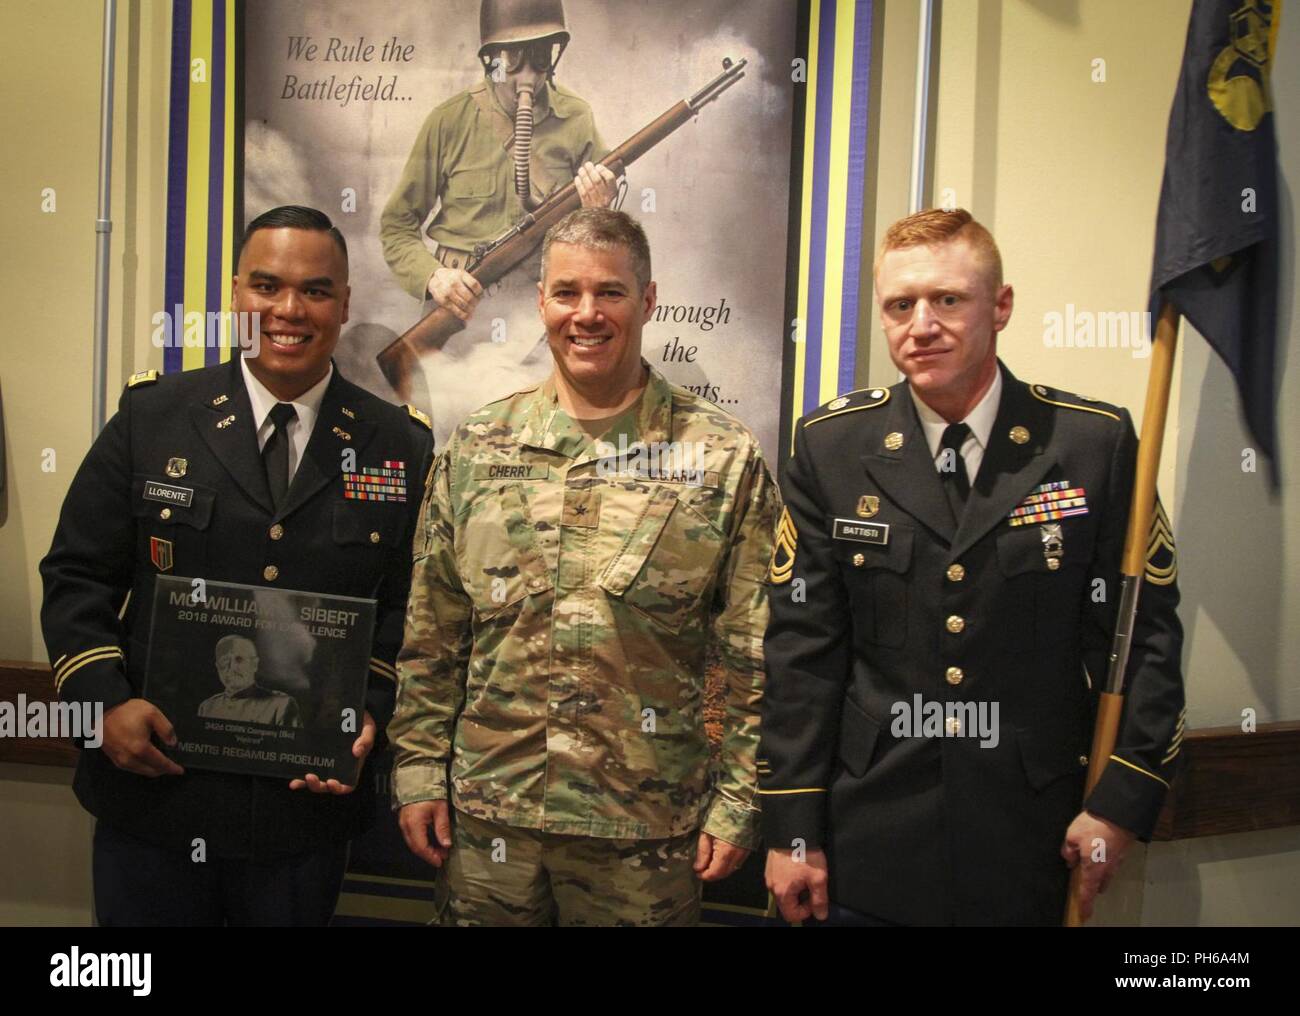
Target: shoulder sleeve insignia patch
column 420, row 417
column 787, row 537
column 1162, row 558
column 144, row 377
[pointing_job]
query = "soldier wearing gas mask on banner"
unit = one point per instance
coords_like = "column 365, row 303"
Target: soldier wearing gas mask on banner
column 480, row 162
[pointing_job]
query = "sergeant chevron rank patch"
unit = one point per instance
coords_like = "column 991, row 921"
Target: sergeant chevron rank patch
column 1162, row 558
column 783, row 550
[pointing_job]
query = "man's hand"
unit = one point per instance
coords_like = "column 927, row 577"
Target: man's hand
column 360, row 749
column 127, row 731
column 715, row 859
column 1100, row 846
column 457, row 290
column 415, row 820
column 788, row 880
column 597, row 185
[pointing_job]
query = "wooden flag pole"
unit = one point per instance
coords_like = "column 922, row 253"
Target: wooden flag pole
column 1111, row 706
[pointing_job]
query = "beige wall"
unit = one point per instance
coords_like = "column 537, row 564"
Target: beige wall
column 50, row 68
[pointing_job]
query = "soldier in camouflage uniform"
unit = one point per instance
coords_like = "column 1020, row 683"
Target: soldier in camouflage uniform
column 583, row 542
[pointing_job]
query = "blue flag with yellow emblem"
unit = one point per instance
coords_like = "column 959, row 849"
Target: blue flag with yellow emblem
column 1216, row 256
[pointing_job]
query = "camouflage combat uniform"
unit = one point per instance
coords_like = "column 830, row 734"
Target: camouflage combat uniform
column 559, row 618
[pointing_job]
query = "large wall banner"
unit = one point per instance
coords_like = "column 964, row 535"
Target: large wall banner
column 384, row 116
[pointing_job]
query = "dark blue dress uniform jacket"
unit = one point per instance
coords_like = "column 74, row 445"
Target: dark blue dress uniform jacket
column 942, row 830
column 319, row 541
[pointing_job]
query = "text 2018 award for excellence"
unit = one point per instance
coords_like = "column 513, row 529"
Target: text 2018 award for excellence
column 269, row 682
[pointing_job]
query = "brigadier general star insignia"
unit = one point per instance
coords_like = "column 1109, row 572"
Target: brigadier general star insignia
column 787, row 538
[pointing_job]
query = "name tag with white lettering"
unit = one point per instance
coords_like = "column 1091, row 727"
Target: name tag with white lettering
column 510, row 471
column 861, row 532
column 167, row 494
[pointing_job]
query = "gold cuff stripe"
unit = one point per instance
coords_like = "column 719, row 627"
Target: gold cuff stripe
column 1067, row 405
column 1116, row 758
column 62, row 665
column 1170, row 757
column 77, row 662
column 384, row 669
column 805, row 790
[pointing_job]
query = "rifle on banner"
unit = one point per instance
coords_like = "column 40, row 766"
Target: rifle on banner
column 491, row 262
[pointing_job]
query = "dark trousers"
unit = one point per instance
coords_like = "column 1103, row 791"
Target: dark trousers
column 138, row 884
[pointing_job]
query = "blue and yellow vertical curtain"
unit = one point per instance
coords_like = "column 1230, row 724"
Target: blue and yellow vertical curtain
column 202, row 165
column 830, row 254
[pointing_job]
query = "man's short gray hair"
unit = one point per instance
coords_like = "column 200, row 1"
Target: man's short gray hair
column 603, row 229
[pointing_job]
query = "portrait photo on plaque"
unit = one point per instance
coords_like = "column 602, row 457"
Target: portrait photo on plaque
column 268, row 682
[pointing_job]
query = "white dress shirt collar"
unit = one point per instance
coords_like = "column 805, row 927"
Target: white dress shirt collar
column 299, row 430
column 980, row 420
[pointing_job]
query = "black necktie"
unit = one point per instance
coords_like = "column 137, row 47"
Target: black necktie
column 275, row 455
column 952, row 468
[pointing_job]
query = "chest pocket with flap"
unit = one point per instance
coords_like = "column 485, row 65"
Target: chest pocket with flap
column 667, row 562
column 180, row 525
column 878, row 586
column 1056, row 595
column 499, row 559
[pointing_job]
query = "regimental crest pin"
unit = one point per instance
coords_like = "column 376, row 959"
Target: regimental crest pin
column 839, row 403
column 160, row 553
column 176, row 468
column 868, row 505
